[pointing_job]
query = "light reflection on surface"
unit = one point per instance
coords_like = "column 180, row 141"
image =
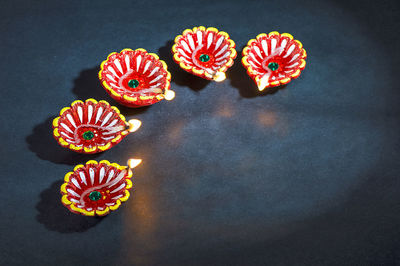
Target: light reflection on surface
column 267, row 118
column 140, row 219
column 271, row 119
column 175, row 132
column 225, row 108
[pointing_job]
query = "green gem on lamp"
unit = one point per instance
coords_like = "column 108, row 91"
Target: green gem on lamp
column 88, row 135
column 273, row 66
column 133, row 83
column 204, row 58
column 95, row 195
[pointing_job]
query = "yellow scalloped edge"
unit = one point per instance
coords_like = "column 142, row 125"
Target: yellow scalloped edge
column 176, row 39
column 90, row 149
column 62, row 142
column 106, row 103
column 115, row 206
column 302, row 64
column 79, row 166
column 290, row 36
column 105, row 162
column 212, row 29
column 104, row 147
column 115, row 165
column 146, row 97
column 185, row 66
column 130, row 173
column 63, row 188
column 83, row 211
column 130, row 99
column 127, row 50
column 55, row 121
column 208, row 75
column 103, row 212
column 117, row 138
column 259, row 36
column 67, row 176
column 92, row 101
column 55, row 132
column 64, row 110
column 296, row 74
column 75, row 148
column 284, row 81
column 76, row 102
column 299, row 43
column 115, row 109
column 128, row 184
column 126, row 197
column 155, row 56
column 198, row 71
column 65, row 200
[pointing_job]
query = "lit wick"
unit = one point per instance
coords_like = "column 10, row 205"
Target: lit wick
column 219, row 76
column 263, row 82
column 169, row 95
column 132, row 163
column 134, row 124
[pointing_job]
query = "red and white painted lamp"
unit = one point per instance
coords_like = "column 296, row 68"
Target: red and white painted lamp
column 91, row 126
column 136, row 78
column 97, row 188
column 273, row 59
column 204, row 52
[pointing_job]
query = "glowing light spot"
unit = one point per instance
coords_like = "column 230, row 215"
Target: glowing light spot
column 134, row 124
column 219, row 76
column 132, row 163
column 263, row 83
column 169, row 95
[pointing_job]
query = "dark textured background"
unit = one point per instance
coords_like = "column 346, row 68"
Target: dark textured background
column 308, row 175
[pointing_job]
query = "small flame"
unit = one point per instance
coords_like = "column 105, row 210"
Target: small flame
column 263, row 83
column 134, row 125
column 169, row 95
column 132, row 163
column 219, row 76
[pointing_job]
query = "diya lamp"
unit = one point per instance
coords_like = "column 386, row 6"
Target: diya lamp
column 91, row 126
column 97, row 188
column 204, row 52
column 273, row 59
column 136, row 78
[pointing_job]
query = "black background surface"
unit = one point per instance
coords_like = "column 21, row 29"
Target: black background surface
column 308, row 175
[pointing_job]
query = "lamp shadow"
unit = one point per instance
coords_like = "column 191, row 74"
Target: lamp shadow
column 180, row 76
column 42, row 143
column 240, row 80
column 87, row 85
column 55, row 217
